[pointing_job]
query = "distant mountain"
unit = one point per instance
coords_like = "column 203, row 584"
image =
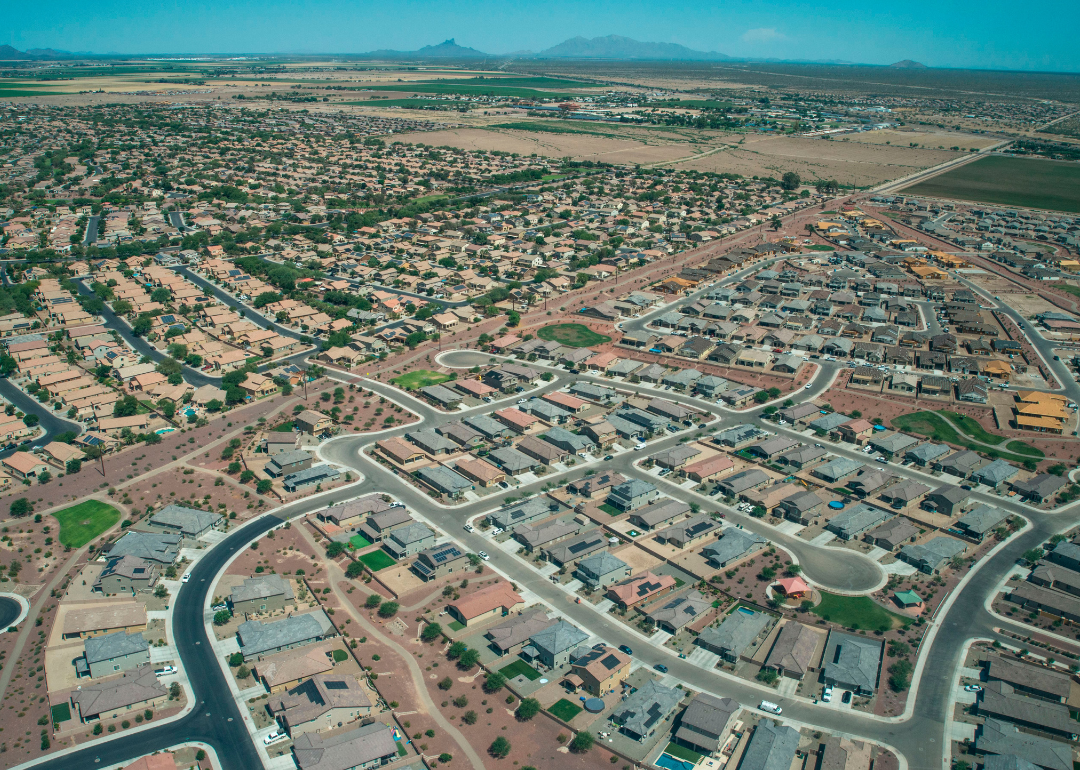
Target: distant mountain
column 7, row 53
column 618, row 47
column 447, row 49
column 908, row 64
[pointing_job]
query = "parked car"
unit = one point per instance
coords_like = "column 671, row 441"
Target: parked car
column 807, row 386
column 165, row 671
column 661, row 668
column 608, row 457
column 624, row 648
column 186, row 577
column 973, row 688
column 847, row 697
column 640, row 445
column 826, row 694
column 504, row 485
column 274, row 737
column 483, row 555
column 468, row 528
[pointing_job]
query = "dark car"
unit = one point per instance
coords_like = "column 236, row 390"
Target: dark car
column 847, row 696
column 624, row 648
column 609, row 457
column 661, row 668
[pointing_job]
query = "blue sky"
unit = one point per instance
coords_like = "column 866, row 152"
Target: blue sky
column 946, row 33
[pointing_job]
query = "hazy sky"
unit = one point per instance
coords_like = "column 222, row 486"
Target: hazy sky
column 948, row 33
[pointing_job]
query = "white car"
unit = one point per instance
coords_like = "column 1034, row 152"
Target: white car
column 826, row 694
column 165, row 671
column 274, row 737
column 186, row 577
column 483, row 555
column 807, row 387
column 496, row 531
column 973, row 688
column 641, row 445
column 468, row 528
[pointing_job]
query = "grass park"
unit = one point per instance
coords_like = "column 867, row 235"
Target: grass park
column 421, row 378
column 1026, row 182
column 377, row 560
column 81, row 523
column 973, row 437
column 859, row 612
column 572, row 335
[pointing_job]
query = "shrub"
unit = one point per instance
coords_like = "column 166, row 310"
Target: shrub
column 97, row 729
column 388, row 609
column 469, row 717
column 221, row 617
column 445, row 758
column 236, row 659
column 461, row 701
column 456, row 650
column 446, row 683
column 335, row 549
column 373, row 601
column 431, row 632
column 469, row 658
column 354, row 570
column 243, row 673
column 200, row 755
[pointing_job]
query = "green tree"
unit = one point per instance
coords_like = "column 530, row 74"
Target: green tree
column 74, row 465
column 527, row 709
column 456, row 650
column 354, row 570
column 499, row 748
column 431, row 632
column 128, row 406
column 582, row 742
column 263, row 486
column 335, row 549
column 388, row 609
column 373, row 601
column 900, row 675
column 221, row 617
column 469, row 658
column 236, row 659
column 494, row 682
column 21, row 507
column 790, row 181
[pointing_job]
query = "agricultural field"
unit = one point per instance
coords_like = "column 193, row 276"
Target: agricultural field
column 1039, row 184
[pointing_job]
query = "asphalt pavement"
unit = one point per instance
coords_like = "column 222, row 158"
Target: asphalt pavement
column 52, row 422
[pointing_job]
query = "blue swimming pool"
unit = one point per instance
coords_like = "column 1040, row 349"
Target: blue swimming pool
column 745, row 611
column 671, row 763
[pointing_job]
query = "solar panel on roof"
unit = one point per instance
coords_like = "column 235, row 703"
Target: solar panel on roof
column 336, row 685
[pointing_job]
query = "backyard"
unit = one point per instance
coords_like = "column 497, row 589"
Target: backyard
column 520, row 668
column 564, row 709
column 421, row 378
column 858, row 612
column 377, row 560
column 572, row 335
column 81, row 523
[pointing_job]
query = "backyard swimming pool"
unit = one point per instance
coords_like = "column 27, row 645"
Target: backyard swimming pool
column 671, row 763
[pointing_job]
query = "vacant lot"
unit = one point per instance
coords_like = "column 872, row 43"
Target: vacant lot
column 859, row 612
column 81, row 523
column 572, row 335
column 1038, row 184
column 421, row 378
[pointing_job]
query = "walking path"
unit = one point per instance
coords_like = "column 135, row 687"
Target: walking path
column 335, row 578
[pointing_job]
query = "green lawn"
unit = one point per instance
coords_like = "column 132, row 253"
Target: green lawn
column 61, row 713
column 573, row 335
column 359, row 541
column 933, row 427
column 972, row 427
column 285, row 426
column 858, row 612
column 565, row 710
column 520, row 668
column 421, row 378
column 377, row 560
column 401, row 751
column 610, row 509
column 681, row 752
column 456, row 625
column 81, row 523
column 820, row 247
column 1041, row 184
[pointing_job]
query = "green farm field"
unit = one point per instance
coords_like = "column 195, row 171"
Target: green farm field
column 1038, row 184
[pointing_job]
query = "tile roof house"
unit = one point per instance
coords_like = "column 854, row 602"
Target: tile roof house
column 640, row 588
column 645, row 711
column 323, row 702
column 704, row 723
column 112, row 697
column 360, row 749
column 513, row 634
column 733, row 546
column 852, row 662
column 494, row 600
column 679, row 611
column 852, row 522
column 793, row 652
column 931, row 556
column 601, row 670
column 735, row 635
column 258, row 639
column 601, row 570
column 151, row 546
column 189, row 522
column 553, row 645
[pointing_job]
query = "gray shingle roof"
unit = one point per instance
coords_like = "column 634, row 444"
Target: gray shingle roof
column 109, row 646
column 191, row 521
column 257, row 637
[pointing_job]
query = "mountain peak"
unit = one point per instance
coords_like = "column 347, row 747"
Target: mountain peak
column 908, row 64
column 619, row 47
